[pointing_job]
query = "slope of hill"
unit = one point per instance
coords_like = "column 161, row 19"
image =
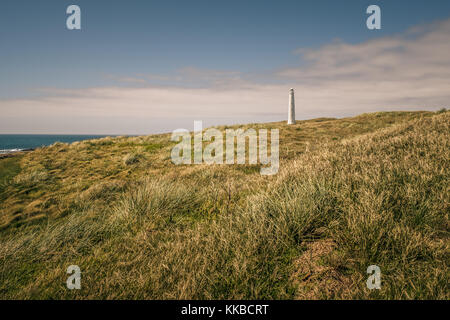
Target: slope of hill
column 354, row 192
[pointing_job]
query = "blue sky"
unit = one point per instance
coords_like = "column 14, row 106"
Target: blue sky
column 185, row 44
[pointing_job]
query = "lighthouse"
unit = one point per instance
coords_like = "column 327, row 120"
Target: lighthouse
column 291, row 110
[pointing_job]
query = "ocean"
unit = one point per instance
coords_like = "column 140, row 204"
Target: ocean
column 17, row 142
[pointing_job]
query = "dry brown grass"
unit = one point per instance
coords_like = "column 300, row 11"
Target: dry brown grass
column 316, row 278
column 344, row 198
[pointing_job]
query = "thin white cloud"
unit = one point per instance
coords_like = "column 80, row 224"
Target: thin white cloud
column 409, row 71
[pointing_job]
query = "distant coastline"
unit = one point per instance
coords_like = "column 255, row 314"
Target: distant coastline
column 12, row 153
column 16, row 143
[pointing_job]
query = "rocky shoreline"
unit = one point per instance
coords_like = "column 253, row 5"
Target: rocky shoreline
column 14, row 153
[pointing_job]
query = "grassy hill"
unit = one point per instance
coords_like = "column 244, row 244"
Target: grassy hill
column 353, row 192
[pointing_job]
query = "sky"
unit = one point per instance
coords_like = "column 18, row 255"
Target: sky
column 140, row 67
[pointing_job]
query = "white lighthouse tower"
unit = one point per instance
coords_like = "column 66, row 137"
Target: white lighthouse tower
column 291, row 110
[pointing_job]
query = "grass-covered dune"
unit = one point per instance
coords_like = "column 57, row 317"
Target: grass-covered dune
column 353, row 192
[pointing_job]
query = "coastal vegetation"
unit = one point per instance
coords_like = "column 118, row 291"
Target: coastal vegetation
column 350, row 193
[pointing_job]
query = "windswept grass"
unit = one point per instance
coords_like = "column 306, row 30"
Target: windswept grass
column 350, row 193
column 132, row 158
column 9, row 168
column 30, row 179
